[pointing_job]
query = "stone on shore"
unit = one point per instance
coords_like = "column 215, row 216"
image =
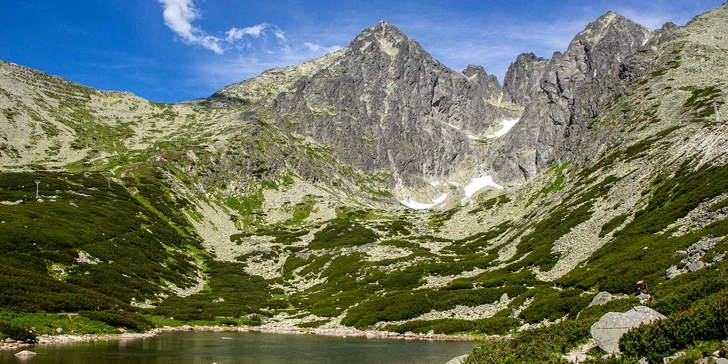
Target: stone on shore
column 25, row 353
column 458, row 360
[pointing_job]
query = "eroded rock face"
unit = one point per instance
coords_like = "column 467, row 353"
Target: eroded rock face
column 570, row 93
column 613, row 325
column 385, row 103
column 523, row 78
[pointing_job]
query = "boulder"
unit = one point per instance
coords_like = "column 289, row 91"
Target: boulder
column 458, row 360
column 672, row 272
column 601, row 299
column 504, row 299
column 25, row 353
column 644, row 297
column 613, row 325
column 696, row 266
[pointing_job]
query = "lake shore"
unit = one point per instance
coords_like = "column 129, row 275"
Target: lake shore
column 343, row 333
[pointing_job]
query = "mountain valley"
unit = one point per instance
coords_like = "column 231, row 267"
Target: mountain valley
column 374, row 188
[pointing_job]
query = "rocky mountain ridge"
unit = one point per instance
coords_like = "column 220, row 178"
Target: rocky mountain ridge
column 386, row 104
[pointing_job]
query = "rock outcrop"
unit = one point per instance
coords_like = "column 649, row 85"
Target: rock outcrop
column 488, row 84
column 523, row 78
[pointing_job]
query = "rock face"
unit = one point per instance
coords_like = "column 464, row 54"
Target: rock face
column 612, row 325
column 386, row 104
column 491, row 89
column 569, row 94
column 523, row 78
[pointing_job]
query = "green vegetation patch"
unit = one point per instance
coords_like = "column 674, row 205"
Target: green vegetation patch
column 612, row 224
column 489, row 326
column 121, row 319
column 48, row 323
column 706, row 320
column 553, row 304
column 343, row 231
column 405, row 305
column 230, row 292
column 543, row 345
column 700, row 103
column 130, row 246
column 639, row 251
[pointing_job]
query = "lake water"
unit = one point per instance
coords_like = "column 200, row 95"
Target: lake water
column 248, row 347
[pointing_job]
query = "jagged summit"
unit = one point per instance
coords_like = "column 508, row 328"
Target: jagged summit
column 387, row 38
column 382, row 31
column 612, row 24
column 561, row 93
column 415, row 112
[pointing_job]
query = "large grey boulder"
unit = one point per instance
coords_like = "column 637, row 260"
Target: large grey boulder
column 601, row 299
column 607, row 331
column 696, row 266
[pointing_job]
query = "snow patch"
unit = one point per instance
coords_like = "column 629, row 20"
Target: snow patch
column 435, row 183
column 424, row 206
column 479, row 183
column 472, row 137
column 506, row 126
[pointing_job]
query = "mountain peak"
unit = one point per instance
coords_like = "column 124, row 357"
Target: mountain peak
column 386, row 35
column 612, row 25
column 606, row 19
column 383, row 29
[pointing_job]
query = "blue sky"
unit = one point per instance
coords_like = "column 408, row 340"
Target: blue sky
column 175, row 50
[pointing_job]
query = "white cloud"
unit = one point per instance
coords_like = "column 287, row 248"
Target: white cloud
column 179, row 15
column 235, row 34
column 280, row 34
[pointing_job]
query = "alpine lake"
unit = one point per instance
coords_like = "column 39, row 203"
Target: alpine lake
column 245, row 347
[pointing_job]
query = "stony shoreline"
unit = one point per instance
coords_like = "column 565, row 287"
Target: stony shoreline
column 344, row 333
